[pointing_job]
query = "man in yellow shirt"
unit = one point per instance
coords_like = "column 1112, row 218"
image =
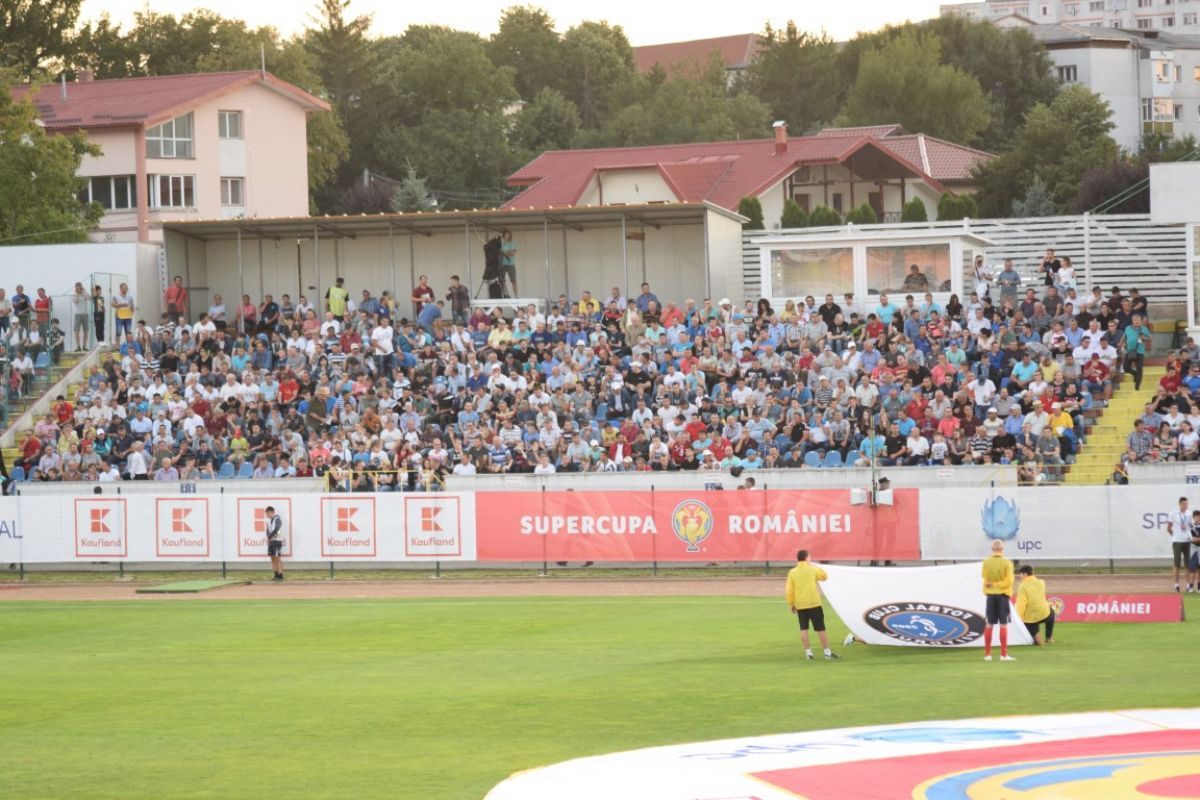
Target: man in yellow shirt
column 804, row 600
column 997, row 586
column 1032, row 607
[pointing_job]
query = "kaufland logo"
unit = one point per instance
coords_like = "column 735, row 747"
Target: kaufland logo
column 182, row 527
column 432, row 527
column 345, row 520
column 98, row 524
column 260, row 520
column 252, row 525
column 347, row 527
column 179, row 520
column 100, row 528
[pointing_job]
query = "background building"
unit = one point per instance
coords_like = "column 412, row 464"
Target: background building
column 1179, row 15
column 736, row 52
column 200, row 146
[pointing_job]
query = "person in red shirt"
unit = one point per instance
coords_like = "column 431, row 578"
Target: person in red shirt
column 1171, row 381
column 41, row 307
column 31, row 450
column 64, row 412
column 696, row 428
column 176, row 299
column 916, row 407
column 289, row 389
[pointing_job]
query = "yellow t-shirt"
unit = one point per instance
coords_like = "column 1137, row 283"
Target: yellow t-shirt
column 1031, row 600
column 802, row 588
column 997, row 571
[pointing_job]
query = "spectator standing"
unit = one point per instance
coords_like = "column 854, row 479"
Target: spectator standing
column 1136, row 337
column 1179, row 528
column 336, row 298
column 80, row 312
column 422, row 295
column 6, row 310
column 460, row 300
column 21, row 305
column 176, row 298
column 1050, row 267
column 218, row 313
column 508, row 259
column 123, row 309
column 98, row 313
column 1009, row 281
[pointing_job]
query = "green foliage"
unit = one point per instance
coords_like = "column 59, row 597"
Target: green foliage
column 1158, row 148
column 1104, row 184
column 344, row 60
column 823, row 216
column 39, row 193
column 376, row 197
column 751, row 209
column 527, row 43
column 1037, row 201
column 863, row 215
column 1058, row 143
column 955, row 207
column 35, row 34
column 793, row 215
column 903, row 81
column 914, row 211
column 597, row 72
column 796, row 74
column 550, row 122
column 413, row 194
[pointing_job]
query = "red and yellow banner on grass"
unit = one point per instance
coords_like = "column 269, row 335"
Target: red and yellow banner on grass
column 767, row 525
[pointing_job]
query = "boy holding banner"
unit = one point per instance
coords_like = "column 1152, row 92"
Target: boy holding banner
column 997, row 586
column 804, row 600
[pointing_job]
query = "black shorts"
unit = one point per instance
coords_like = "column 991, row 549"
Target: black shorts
column 997, row 609
column 1181, row 550
column 1035, row 627
column 814, row 615
column 274, row 547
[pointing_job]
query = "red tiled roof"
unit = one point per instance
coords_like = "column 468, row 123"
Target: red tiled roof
column 724, row 172
column 128, row 102
column 736, row 51
column 878, row 131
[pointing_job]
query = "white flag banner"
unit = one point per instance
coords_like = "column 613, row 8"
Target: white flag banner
column 915, row 606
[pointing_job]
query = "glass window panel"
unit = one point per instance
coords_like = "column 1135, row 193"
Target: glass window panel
column 102, row 191
column 189, row 199
column 890, row 269
column 121, row 192
column 816, row 271
column 153, row 148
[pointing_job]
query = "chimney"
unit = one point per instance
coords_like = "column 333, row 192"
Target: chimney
column 781, row 139
column 86, row 76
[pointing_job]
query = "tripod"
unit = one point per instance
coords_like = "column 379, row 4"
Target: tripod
column 484, row 281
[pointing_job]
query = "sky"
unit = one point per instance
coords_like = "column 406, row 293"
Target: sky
column 642, row 25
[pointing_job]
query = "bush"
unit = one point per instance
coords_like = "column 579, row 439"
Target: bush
column 950, row 207
column 823, row 216
column 914, row 211
column 793, row 215
column 863, row 215
column 751, row 209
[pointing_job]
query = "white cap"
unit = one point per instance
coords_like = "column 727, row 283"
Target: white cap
column 724, row 302
column 594, row 443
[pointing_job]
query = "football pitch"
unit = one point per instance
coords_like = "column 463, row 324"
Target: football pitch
column 445, row 698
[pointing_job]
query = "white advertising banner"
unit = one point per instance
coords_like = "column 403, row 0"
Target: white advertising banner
column 914, row 606
column 1060, row 522
column 215, row 528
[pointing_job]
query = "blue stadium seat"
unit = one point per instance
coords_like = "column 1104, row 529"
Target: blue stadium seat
column 833, row 458
column 226, row 470
column 18, row 474
column 246, row 470
column 812, row 459
column 42, row 361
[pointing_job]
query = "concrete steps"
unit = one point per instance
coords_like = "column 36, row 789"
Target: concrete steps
column 1097, row 459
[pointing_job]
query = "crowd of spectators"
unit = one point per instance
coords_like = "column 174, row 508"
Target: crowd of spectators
column 382, row 398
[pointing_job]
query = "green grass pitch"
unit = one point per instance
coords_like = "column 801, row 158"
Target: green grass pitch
column 444, row 698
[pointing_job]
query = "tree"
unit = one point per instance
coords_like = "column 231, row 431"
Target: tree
column 343, row 58
column 751, row 209
column 412, row 194
column 34, row 33
column 371, row 198
column 863, row 215
column 688, row 110
column 39, row 193
column 101, row 47
column 904, row 82
column 914, row 211
column 795, row 73
column 1058, row 143
column 550, row 122
column 597, row 72
column 823, row 217
column 793, row 215
column 1037, row 201
column 528, row 44
column 955, row 207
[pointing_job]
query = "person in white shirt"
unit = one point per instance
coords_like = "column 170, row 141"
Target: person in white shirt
column 544, row 467
column 918, row 447
column 1179, row 528
column 464, row 466
column 110, row 474
column 138, row 463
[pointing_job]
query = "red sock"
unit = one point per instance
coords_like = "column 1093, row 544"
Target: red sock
column 1003, row 641
column 987, row 640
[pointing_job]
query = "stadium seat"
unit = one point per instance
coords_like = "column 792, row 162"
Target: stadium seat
column 812, row 459
column 246, row 470
column 833, row 458
column 226, row 470
column 42, row 361
column 18, row 474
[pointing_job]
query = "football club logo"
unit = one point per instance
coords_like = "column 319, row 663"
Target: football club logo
column 926, row 623
column 1000, row 519
column 692, row 522
column 1056, row 605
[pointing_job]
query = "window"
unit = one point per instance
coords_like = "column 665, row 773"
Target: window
column 1071, row 10
column 1118, row 5
column 1096, row 7
column 1178, row 111
column 889, row 269
column 1167, row 22
column 1158, row 109
column 229, row 124
column 172, row 191
column 804, row 200
column 1143, row 23
column 837, row 202
column 1145, row 3
column 817, row 271
column 114, row 192
column 172, row 139
column 1045, row 11
column 1189, row 18
column 1178, row 73
column 233, row 191
column 1162, row 70
column 1068, row 73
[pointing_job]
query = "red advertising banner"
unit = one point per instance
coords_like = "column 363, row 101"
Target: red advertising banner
column 765, row 525
column 1117, row 607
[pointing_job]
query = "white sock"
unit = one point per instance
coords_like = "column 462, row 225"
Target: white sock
column 828, row 652
column 807, row 652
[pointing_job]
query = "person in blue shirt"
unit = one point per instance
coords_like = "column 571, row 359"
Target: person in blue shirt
column 1192, row 381
column 643, row 300
column 885, row 312
column 1022, row 373
column 1136, row 336
column 430, row 312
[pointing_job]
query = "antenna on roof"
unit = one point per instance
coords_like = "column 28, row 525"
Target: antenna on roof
column 262, row 58
column 63, row 91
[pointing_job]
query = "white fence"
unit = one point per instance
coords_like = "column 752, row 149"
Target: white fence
column 1126, row 250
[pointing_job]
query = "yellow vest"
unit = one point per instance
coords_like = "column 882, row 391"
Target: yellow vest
column 1031, row 600
column 802, row 588
column 337, row 300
